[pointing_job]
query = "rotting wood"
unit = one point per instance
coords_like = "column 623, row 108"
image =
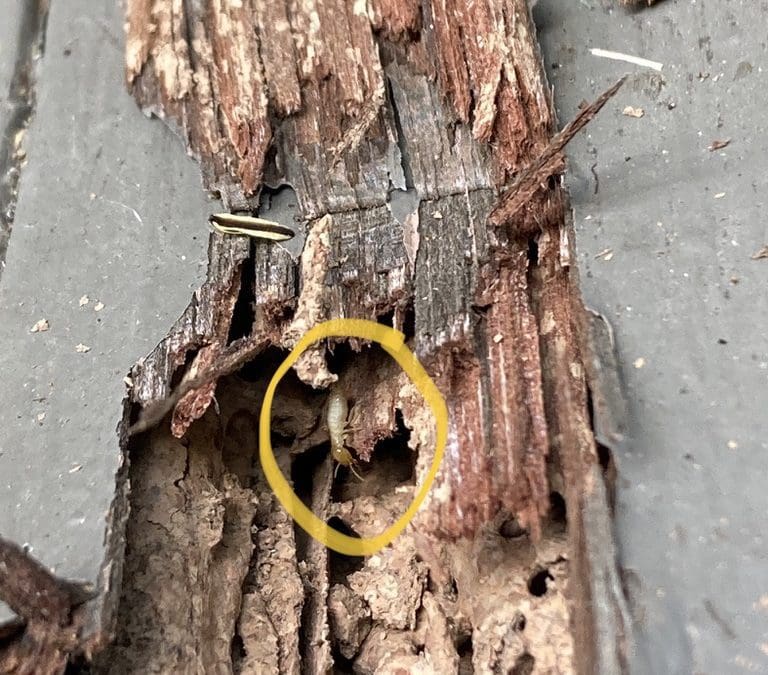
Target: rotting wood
column 358, row 101
column 48, row 608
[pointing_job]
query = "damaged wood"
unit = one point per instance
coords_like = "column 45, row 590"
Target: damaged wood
column 48, row 634
column 422, row 156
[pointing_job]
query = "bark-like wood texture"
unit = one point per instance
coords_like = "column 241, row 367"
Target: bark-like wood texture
column 398, row 126
column 392, row 99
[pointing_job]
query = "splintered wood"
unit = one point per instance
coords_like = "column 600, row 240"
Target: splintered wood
column 425, row 165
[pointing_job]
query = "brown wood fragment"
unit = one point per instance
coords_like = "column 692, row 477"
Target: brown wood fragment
column 549, row 162
column 719, row 145
column 316, row 651
column 49, row 634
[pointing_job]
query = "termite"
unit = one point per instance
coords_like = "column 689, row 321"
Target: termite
column 234, row 223
column 338, row 427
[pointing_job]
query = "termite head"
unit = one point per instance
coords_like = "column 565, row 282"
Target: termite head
column 344, row 456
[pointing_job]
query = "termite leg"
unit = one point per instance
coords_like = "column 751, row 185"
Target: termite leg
column 353, row 424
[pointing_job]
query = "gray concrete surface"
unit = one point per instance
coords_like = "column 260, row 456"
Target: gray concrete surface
column 688, row 305
column 112, row 209
column 9, row 29
column 10, row 10
column 10, row 24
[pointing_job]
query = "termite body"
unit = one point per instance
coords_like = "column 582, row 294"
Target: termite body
column 337, row 415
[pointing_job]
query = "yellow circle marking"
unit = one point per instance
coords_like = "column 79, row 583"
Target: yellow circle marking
column 393, row 342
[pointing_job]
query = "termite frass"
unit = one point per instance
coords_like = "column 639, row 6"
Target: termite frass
column 339, row 426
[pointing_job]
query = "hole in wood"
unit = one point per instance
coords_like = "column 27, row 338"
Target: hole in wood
column 243, row 315
column 392, row 464
column 557, row 508
column 524, row 665
column 537, row 584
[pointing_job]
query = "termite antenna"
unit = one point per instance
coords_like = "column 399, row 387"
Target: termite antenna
column 352, row 469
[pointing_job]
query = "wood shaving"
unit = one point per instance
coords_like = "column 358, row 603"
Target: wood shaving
column 761, row 254
column 629, row 58
column 605, row 254
column 720, row 195
column 40, row 326
column 719, row 145
column 629, row 111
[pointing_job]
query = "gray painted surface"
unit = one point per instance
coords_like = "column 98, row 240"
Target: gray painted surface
column 684, row 295
column 110, row 208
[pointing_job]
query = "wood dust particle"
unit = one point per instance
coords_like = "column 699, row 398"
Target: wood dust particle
column 498, row 338
column 719, row 145
column 82, row 349
column 84, row 301
column 761, row 254
column 437, row 215
column 40, row 326
column 762, row 603
column 40, row 417
column 629, row 111
column 98, row 306
column 720, row 195
column 639, row 363
column 75, row 468
column 733, row 445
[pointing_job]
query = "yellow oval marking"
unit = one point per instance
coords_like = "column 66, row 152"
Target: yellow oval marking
column 393, row 342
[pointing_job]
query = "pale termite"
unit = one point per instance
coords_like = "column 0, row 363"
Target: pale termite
column 338, row 428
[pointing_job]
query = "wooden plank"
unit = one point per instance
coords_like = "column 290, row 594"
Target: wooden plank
column 110, row 211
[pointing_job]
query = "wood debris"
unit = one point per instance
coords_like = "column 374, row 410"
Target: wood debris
column 81, row 348
column 606, row 254
column 40, row 326
column 761, row 254
column 84, row 300
column 629, row 111
column 628, row 58
column 719, row 145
